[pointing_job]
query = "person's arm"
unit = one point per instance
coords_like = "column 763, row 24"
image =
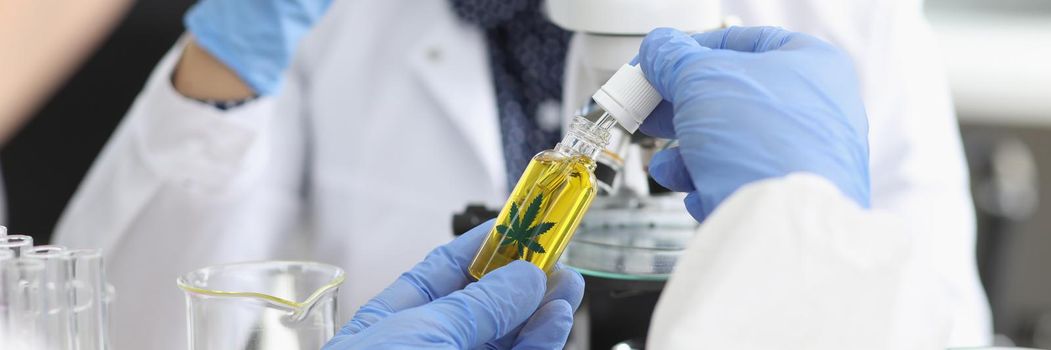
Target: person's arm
column 178, row 165
column 201, row 76
column 241, row 48
column 41, row 42
column 182, row 184
column 184, row 155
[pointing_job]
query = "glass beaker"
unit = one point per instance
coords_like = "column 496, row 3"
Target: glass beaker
column 261, row 305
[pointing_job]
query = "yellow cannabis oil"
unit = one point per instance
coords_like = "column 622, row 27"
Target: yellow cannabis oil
column 541, row 214
column 557, row 187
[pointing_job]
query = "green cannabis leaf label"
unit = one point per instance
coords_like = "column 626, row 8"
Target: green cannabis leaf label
column 519, row 232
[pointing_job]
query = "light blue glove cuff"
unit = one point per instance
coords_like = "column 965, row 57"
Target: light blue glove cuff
column 254, row 38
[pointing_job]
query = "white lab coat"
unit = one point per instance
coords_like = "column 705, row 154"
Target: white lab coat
column 792, row 263
column 387, row 125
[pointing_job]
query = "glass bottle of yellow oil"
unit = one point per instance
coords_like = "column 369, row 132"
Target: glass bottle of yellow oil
column 557, row 187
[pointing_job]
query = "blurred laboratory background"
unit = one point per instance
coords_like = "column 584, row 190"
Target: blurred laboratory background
column 997, row 56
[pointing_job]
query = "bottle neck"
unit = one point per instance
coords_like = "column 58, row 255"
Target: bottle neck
column 587, row 138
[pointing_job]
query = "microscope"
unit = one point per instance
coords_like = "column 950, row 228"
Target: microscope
column 630, row 239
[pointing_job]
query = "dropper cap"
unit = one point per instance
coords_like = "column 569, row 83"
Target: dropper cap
column 628, row 97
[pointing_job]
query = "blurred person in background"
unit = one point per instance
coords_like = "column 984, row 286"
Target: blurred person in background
column 349, row 133
column 41, row 42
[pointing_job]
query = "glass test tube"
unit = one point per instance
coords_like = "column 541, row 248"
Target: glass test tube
column 56, row 317
column 89, row 329
column 5, row 300
column 21, row 289
column 16, row 243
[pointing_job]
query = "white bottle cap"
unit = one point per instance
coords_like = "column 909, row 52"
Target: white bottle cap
column 628, row 97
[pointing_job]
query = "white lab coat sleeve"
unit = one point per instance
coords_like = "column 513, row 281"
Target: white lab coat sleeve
column 182, row 185
column 791, row 263
column 174, row 165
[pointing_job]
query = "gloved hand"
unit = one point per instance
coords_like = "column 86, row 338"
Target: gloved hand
column 435, row 305
column 254, row 38
column 752, row 103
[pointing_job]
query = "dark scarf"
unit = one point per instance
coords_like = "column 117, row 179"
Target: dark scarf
column 527, row 54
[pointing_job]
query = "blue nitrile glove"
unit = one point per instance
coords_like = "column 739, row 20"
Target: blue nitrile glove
column 254, row 38
column 751, row 103
column 435, row 305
